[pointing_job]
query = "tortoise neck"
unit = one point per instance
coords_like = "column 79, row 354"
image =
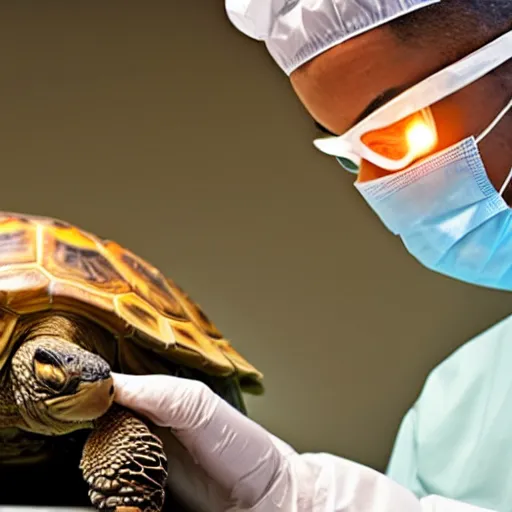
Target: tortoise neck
column 63, row 326
column 9, row 413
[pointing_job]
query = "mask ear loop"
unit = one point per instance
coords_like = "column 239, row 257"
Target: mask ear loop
column 507, row 181
column 496, row 120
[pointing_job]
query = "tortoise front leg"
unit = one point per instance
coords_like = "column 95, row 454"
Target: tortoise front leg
column 124, row 464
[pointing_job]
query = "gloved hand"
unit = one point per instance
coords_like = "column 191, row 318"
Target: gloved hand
column 220, row 460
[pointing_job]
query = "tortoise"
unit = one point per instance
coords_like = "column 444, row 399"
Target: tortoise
column 73, row 308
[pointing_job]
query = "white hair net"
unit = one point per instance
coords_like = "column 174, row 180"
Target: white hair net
column 296, row 31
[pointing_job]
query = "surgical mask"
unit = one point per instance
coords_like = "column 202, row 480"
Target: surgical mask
column 448, row 214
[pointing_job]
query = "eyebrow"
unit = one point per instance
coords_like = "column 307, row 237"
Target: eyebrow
column 376, row 103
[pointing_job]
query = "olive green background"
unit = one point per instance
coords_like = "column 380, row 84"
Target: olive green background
column 157, row 124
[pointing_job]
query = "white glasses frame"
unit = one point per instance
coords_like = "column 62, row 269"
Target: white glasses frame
column 419, row 97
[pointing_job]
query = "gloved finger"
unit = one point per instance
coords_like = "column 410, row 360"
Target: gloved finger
column 237, row 452
column 169, row 401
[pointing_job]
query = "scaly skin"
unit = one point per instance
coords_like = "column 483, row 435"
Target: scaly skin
column 9, row 413
column 124, row 463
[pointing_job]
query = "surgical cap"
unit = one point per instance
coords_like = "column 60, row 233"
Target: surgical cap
column 296, row 31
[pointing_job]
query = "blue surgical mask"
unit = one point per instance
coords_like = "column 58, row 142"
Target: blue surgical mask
column 448, row 214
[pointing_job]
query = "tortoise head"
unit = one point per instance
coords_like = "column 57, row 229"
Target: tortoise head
column 58, row 386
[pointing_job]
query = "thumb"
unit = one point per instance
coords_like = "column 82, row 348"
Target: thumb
column 179, row 403
column 143, row 394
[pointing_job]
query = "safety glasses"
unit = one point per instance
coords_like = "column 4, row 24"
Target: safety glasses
column 404, row 130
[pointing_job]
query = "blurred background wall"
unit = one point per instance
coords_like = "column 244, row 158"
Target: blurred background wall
column 158, row 125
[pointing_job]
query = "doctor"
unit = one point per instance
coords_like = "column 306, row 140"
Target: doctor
column 415, row 96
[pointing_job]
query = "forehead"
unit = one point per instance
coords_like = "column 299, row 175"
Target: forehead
column 337, row 85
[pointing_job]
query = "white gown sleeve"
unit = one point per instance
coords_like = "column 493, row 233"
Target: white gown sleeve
column 322, row 482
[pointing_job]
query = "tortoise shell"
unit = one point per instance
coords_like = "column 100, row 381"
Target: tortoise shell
column 47, row 264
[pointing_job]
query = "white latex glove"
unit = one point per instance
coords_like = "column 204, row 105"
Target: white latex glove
column 220, row 460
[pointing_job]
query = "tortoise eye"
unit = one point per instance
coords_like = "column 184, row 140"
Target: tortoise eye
column 50, row 375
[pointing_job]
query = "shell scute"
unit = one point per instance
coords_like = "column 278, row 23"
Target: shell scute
column 193, row 347
column 18, row 242
column 73, row 255
column 88, row 302
column 141, row 315
column 25, row 289
column 242, row 365
column 147, row 281
column 194, row 311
